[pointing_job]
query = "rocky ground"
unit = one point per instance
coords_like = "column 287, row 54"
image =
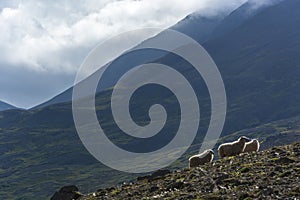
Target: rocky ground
column 269, row 174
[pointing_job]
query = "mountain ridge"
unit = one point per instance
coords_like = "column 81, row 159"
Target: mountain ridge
column 6, row 106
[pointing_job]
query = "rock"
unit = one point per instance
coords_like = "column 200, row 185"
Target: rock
column 244, row 170
column 222, row 177
column 284, row 160
column 267, row 191
column 160, row 173
column 243, row 196
column 278, row 169
column 177, row 185
column 67, row 193
column 187, row 196
column 272, row 174
column 141, row 178
column 153, row 189
column 110, row 189
column 101, row 191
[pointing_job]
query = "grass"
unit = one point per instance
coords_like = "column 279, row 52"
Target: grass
column 41, row 152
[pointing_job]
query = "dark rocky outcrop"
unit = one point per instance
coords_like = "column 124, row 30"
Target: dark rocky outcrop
column 70, row 192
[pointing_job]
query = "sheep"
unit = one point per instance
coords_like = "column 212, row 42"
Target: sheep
column 233, row 148
column 253, row 145
column 200, row 159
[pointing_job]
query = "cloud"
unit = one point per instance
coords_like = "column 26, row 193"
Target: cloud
column 51, row 38
column 49, row 35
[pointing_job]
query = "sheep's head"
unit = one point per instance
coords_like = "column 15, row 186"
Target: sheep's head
column 244, row 139
column 211, row 151
column 255, row 140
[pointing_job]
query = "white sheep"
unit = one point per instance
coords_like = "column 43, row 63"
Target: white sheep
column 200, row 159
column 233, row 148
column 253, row 145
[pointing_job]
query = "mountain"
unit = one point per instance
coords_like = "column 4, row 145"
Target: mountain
column 60, row 98
column 259, row 64
column 197, row 27
column 39, row 157
column 40, row 150
column 270, row 174
column 5, row 106
column 239, row 16
column 194, row 25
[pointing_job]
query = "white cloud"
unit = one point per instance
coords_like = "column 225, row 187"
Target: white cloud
column 54, row 36
column 43, row 42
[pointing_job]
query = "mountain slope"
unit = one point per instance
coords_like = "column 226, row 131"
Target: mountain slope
column 270, row 174
column 258, row 62
column 240, row 16
column 194, row 25
column 40, row 158
column 197, row 27
column 60, row 98
column 5, row 106
column 260, row 65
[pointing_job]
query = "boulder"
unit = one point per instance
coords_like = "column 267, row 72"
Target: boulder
column 67, row 193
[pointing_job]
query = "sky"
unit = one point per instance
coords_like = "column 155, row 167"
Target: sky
column 43, row 43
